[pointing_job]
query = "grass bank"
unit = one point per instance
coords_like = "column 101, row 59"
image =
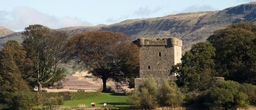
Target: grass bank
column 86, row 98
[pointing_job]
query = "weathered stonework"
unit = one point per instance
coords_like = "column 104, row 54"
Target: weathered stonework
column 157, row 56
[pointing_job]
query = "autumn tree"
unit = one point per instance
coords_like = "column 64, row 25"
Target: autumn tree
column 236, row 52
column 46, row 49
column 131, row 64
column 197, row 67
column 12, row 85
column 106, row 54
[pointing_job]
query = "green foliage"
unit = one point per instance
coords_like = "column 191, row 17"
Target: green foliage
column 50, row 99
column 197, row 68
column 146, row 96
column 149, row 97
column 45, row 49
column 13, row 88
column 223, row 95
column 53, row 101
column 47, row 98
column 59, row 76
column 64, row 95
column 148, row 100
column 134, row 98
column 235, row 52
column 19, row 100
column 22, row 100
column 169, row 95
column 226, row 94
column 86, row 98
column 250, row 91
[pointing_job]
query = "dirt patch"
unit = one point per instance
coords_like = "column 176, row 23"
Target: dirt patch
column 82, row 80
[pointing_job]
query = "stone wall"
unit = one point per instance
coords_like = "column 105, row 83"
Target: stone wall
column 157, row 56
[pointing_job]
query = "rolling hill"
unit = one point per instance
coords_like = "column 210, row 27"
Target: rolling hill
column 190, row 27
column 4, row 31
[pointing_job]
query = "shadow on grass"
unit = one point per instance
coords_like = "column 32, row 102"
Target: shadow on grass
column 118, row 94
column 119, row 105
column 116, row 103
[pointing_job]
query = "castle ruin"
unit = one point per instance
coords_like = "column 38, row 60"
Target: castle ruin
column 157, row 56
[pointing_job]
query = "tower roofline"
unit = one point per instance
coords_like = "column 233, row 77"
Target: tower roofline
column 168, row 42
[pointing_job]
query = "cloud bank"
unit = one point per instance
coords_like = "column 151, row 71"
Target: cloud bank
column 22, row 17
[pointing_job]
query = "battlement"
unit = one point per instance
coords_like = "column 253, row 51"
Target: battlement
column 157, row 56
column 168, row 42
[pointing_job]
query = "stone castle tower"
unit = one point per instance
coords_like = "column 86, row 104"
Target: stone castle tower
column 157, row 56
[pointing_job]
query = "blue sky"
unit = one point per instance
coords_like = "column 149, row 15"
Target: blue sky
column 18, row 14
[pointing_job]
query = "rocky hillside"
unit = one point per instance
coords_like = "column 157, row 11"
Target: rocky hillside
column 190, row 27
column 13, row 36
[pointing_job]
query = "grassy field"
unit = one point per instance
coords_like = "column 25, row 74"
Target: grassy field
column 86, row 98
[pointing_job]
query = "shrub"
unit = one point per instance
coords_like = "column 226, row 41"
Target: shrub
column 22, row 100
column 65, row 95
column 146, row 96
column 250, row 91
column 170, row 95
column 226, row 94
column 53, row 101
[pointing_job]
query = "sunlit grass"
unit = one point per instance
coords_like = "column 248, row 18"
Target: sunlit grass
column 86, row 98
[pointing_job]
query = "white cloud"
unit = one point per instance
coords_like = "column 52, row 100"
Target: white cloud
column 139, row 13
column 19, row 18
column 145, row 11
column 198, row 8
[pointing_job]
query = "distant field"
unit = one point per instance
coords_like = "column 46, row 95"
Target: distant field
column 86, row 98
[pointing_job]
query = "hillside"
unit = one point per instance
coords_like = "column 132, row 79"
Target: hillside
column 190, row 27
column 4, row 31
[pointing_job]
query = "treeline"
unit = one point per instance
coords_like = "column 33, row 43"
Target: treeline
column 36, row 62
column 217, row 74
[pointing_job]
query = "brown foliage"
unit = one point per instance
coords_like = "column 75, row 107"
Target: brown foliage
column 12, row 58
column 105, row 54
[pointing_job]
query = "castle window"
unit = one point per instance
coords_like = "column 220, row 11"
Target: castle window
column 159, row 54
column 149, row 67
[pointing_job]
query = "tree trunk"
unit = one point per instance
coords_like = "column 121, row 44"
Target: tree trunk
column 104, row 83
column 39, row 88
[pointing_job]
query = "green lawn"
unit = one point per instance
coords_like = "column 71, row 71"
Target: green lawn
column 86, row 98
